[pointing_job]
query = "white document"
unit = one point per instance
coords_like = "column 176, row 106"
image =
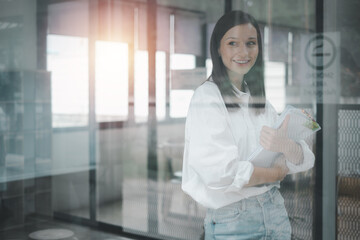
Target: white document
column 301, row 125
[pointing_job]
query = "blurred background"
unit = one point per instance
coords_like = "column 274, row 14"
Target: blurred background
column 94, row 96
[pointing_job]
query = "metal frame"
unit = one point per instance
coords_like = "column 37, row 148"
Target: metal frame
column 318, row 190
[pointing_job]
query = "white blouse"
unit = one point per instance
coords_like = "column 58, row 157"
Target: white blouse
column 218, row 142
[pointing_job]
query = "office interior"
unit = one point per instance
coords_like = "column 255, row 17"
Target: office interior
column 93, row 102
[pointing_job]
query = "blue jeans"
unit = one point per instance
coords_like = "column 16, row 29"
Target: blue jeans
column 259, row 217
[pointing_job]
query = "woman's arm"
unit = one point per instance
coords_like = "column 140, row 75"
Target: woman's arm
column 268, row 175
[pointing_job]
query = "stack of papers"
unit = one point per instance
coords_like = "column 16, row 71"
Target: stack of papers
column 301, row 125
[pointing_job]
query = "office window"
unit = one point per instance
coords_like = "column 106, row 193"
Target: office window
column 67, row 60
column 112, row 81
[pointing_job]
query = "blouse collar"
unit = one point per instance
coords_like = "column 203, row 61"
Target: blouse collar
column 242, row 96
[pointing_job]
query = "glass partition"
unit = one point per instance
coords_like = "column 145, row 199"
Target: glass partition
column 94, row 97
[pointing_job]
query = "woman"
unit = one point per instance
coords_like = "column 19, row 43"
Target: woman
column 228, row 118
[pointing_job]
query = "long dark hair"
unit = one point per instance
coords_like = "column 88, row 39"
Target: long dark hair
column 254, row 80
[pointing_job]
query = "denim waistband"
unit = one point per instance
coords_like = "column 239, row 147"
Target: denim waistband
column 259, row 217
column 254, row 201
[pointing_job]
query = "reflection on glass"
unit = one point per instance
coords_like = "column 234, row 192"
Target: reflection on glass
column 180, row 99
column 160, row 85
column 275, row 84
column 112, row 76
column 182, row 61
column 67, row 60
column 45, row 145
column 141, row 86
column 209, row 67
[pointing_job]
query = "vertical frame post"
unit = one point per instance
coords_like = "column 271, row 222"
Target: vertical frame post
column 152, row 164
column 93, row 33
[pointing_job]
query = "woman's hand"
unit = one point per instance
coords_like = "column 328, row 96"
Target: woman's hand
column 276, row 140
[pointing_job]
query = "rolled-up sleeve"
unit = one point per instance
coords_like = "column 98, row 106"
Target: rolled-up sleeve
column 308, row 161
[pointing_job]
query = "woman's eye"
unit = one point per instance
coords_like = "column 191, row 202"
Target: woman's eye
column 251, row 43
column 232, row 43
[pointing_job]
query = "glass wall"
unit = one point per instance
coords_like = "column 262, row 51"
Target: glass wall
column 94, row 96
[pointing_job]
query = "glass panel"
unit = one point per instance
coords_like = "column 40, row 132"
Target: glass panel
column 110, row 176
column 70, row 180
column 43, row 99
column 70, row 107
column 347, row 144
column 135, row 205
column 74, row 89
column 284, row 80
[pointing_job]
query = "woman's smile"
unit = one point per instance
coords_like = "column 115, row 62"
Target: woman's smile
column 241, row 61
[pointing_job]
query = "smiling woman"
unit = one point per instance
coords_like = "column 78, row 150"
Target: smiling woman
column 94, row 96
column 223, row 127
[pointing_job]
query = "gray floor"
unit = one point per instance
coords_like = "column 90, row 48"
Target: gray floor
column 38, row 224
column 177, row 215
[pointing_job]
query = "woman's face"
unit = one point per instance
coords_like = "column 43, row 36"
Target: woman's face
column 239, row 50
